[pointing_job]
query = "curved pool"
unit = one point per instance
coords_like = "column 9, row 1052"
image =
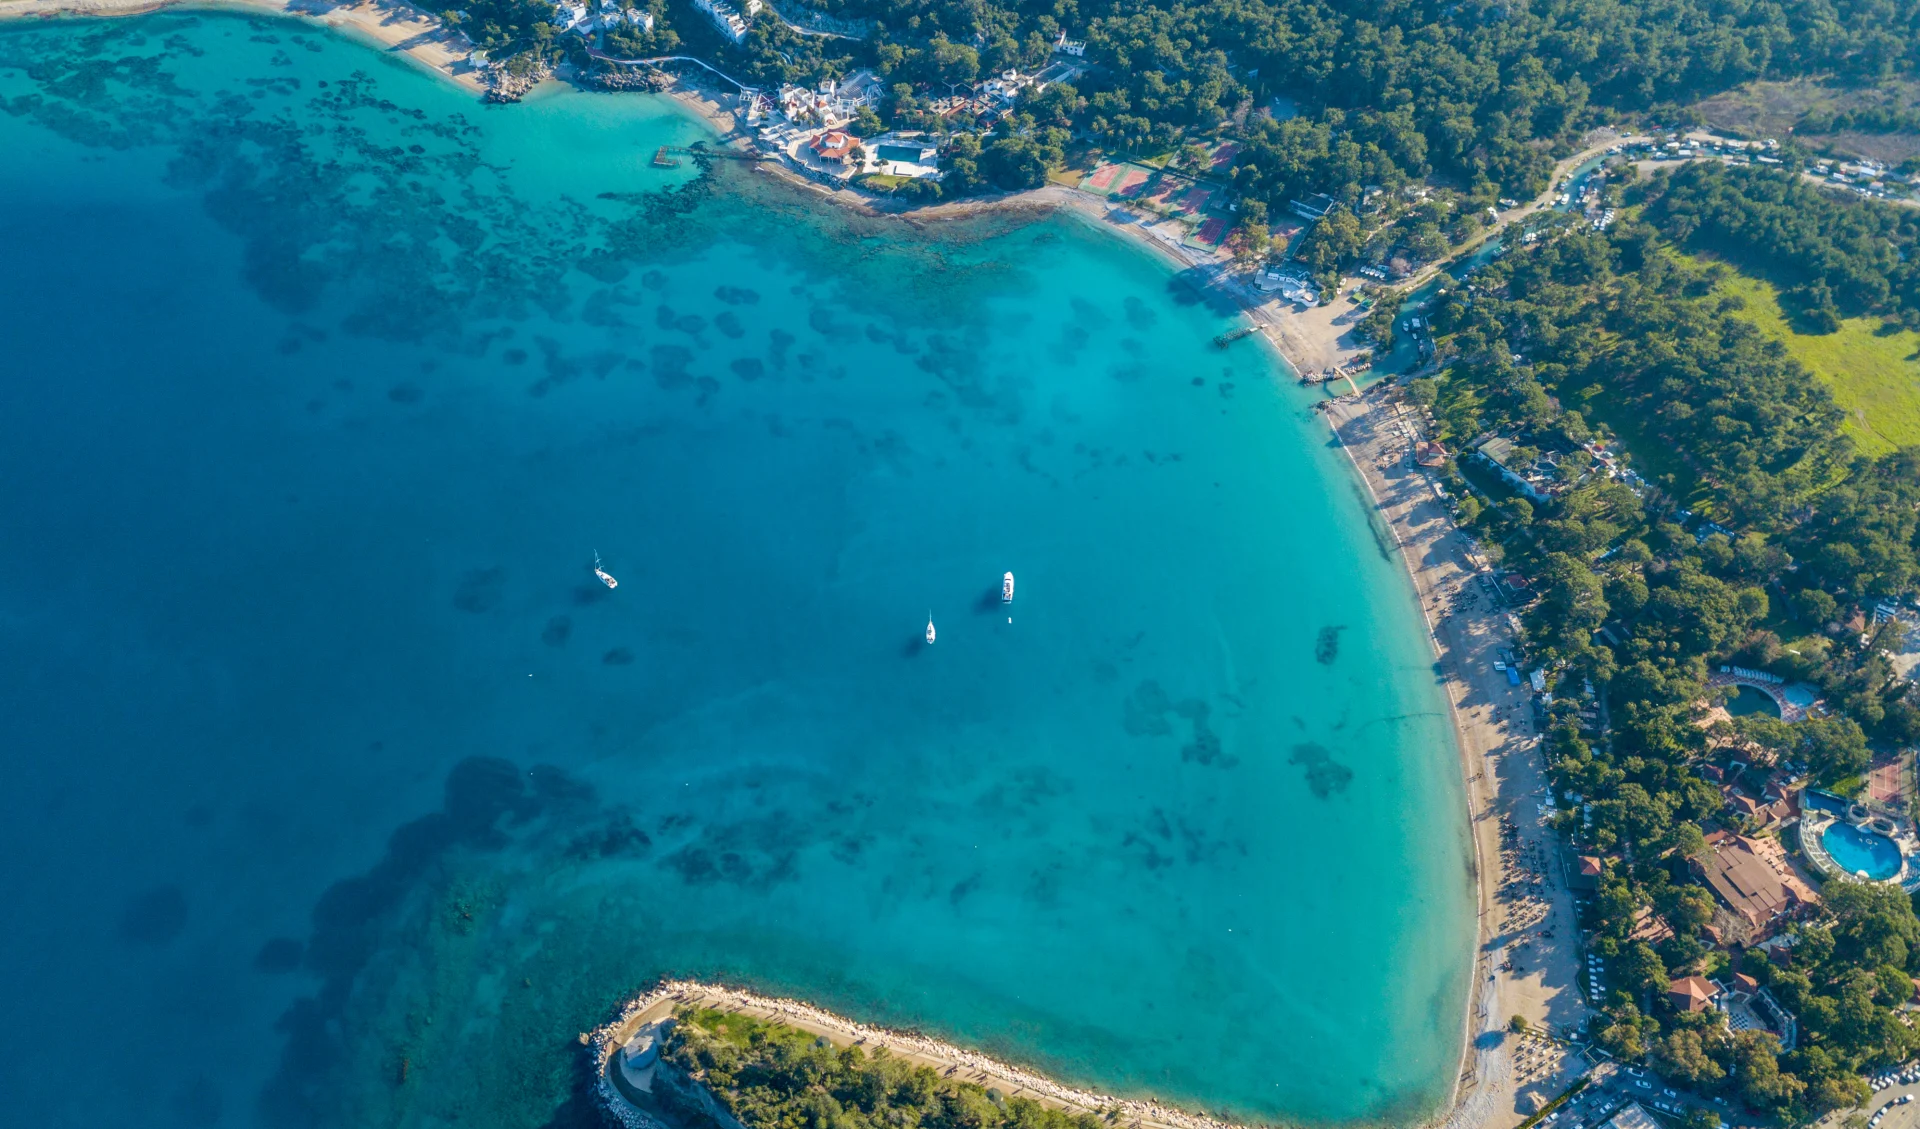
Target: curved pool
column 1749, row 699
column 1858, row 851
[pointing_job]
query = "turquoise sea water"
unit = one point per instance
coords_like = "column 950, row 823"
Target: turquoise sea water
column 342, row 795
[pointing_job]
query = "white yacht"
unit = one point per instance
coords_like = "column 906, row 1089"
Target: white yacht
column 929, row 627
column 1006, row 589
column 606, row 577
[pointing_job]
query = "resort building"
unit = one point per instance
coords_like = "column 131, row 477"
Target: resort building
column 1498, row 453
column 1631, row 1116
column 1313, row 207
column 731, row 22
column 833, row 103
column 614, row 18
column 834, row 147
column 1691, row 993
column 1753, row 879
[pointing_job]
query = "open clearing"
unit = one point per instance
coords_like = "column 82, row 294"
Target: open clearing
column 1875, row 376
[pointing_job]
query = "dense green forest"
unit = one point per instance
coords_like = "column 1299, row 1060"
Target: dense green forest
column 1758, row 519
column 771, row 1076
column 1479, row 93
column 1834, row 257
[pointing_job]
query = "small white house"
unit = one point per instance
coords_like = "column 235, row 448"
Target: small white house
column 727, row 18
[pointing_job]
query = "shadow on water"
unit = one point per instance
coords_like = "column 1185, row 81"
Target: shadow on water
column 989, row 601
column 485, row 798
column 1194, row 286
column 912, row 648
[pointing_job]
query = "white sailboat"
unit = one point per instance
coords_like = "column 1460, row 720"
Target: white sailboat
column 1006, row 589
column 929, row 627
column 606, row 577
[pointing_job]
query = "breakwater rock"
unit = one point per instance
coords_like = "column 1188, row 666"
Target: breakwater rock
column 643, row 79
column 504, row 85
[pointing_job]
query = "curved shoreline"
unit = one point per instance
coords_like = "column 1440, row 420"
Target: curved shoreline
column 402, row 29
column 396, row 27
column 950, row 1060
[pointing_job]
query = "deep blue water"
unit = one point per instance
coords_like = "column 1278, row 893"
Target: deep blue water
column 322, row 386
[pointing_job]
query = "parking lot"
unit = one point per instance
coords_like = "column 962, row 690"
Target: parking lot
column 1611, row 1087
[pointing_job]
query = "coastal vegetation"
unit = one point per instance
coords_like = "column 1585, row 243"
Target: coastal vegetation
column 1872, row 371
column 1834, row 257
column 1319, row 98
column 1757, row 515
column 772, row 1076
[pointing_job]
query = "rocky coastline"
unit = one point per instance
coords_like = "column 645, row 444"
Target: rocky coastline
column 642, row 80
column 504, row 85
column 604, row 1041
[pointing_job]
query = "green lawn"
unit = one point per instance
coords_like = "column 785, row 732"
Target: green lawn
column 1875, row 377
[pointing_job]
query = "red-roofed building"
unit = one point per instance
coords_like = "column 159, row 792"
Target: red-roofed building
column 1692, row 994
column 834, row 146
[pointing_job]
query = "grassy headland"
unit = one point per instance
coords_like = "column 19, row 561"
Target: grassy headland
column 768, row 1074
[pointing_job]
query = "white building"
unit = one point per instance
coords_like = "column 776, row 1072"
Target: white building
column 727, row 18
column 1075, row 47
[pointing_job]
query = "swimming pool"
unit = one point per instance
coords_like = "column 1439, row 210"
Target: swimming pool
column 1750, row 700
column 1858, row 851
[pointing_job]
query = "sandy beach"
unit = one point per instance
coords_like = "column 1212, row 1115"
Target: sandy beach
column 1525, row 910
column 1521, row 893
column 396, row 27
